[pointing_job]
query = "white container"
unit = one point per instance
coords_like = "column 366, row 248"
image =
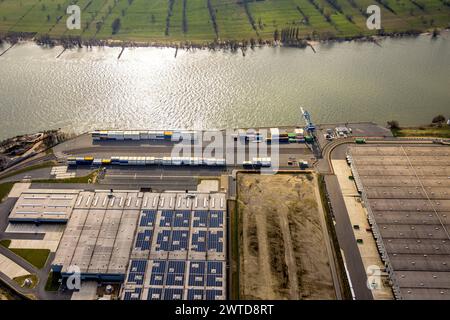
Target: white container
column 141, row 161
column 176, row 137
column 167, row 161
column 143, row 135
column 176, row 161
column 135, row 135
column 274, row 133
column 149, row 160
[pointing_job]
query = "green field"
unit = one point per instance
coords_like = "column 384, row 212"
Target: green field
column 442, row 132
column 204, row 21
column 37, row 257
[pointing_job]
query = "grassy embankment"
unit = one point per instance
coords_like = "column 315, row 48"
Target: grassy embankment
column 442, row 132
column 5, row 188
column 52, row 283
column 32, row 277
column 205, row 21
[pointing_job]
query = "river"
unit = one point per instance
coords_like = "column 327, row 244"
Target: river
column 405, row 79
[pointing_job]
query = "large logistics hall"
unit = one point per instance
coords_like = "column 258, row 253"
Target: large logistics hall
column 167, row 245
column 407, row 194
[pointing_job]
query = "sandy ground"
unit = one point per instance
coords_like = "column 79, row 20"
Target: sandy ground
column 283, row 253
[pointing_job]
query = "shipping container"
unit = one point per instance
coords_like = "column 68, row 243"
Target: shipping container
column 149, row 161
column 143, row 135
column 274, row 133
column 360, row 141
column 176, row 161
column 115, row 160
column 247, row 164
column 176, row 137
column 303, row 164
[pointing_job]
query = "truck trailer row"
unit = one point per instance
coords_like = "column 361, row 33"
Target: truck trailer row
column 164, row 161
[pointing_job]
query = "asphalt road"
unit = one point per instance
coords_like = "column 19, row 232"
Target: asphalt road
column 347, row 241
column 43, row 173
column 5, row 208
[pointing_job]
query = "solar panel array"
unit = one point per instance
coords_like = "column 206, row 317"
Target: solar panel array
column 181, row 242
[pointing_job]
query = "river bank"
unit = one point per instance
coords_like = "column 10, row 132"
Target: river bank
column 70, row 42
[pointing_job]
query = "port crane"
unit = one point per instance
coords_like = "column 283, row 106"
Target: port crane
column 311, row 128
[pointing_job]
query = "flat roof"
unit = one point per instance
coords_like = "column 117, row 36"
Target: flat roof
column 44, row 206
column 99, row 236
column 179, row 250
column 407, row 194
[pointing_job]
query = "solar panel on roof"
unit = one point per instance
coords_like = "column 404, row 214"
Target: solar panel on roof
column 166, row 218
column 200, row 218
column 196, row 280
column 213, row 294
column 197, row 267
column 195, row 294
column 215, row 241
column 138, row 265
column 148, row 218
column 182, row 218
column 155, row 294
column 176, row 266
column 137, row 271
column 144, row 240
column 157, row 279
column 163, row 240
column 198, row 242
column 173, row 294
column 215, row 267
column 213, row 280
column 175, row 279
column 159, row 266
column 136, row 277
column 216, row 219
column 133, row 294
column 180, row 240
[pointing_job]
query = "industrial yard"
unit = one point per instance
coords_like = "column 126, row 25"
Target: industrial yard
column 283, row 238
column 406, row 190
column 155, row 225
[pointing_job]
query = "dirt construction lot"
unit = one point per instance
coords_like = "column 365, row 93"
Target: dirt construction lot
column 283, row 253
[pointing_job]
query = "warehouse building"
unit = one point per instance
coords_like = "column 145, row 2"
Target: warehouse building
column 179, row 249
column 407, row 194
column 162, row 245
column 39, row 206
column 99, row 235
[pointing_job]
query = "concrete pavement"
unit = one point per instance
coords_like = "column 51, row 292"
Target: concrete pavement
column 347, row 241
